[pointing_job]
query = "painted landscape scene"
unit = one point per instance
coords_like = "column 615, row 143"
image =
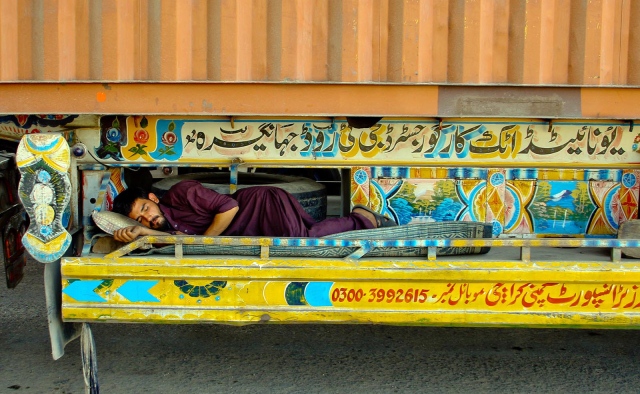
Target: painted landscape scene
column 561, row 207
column 426, row 200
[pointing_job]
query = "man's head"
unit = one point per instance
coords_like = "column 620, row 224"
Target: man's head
column 142, row 206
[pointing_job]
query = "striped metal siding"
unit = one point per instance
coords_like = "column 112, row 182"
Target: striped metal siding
column 539, row 42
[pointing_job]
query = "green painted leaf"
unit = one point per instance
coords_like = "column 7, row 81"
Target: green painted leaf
column 144, row 122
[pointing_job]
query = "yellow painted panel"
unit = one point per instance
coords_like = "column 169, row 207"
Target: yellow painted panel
column 470, row 303
column 463, row 292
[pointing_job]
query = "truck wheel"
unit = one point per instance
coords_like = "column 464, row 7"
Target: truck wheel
column 311, row 195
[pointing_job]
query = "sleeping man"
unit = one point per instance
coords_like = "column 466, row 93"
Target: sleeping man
column 190, row 208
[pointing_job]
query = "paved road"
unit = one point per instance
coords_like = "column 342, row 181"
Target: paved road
column 313, row 358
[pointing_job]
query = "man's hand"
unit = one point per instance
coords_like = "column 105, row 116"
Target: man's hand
column 220, row 222
column 128, row 234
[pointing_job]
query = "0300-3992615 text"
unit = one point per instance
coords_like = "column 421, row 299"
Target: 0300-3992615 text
column 343, row 294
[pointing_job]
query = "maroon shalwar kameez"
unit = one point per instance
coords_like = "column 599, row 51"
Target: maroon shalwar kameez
column 268, row 211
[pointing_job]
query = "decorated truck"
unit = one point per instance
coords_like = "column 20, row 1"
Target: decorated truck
column 500, row 136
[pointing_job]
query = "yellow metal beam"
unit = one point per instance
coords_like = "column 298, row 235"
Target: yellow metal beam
column 460, row 291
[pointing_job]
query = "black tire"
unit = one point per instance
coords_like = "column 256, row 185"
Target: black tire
column 311, row 195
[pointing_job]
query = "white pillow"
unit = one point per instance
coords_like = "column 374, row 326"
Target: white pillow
column 110, row 221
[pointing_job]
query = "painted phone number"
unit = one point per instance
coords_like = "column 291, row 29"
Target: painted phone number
column 343, row 294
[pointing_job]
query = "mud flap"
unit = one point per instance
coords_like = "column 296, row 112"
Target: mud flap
column 44, row 189
column 60, row 333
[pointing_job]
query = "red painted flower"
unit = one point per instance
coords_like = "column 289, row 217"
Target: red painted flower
column 169, row 138
column 141, row 136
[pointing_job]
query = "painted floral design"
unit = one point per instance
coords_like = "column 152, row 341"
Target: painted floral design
column 140, row 137
column 169, row 139
column 111, row 140
column 113, row 135
column 636, row 143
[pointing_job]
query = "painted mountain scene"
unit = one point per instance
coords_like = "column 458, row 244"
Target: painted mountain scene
column 570, row 207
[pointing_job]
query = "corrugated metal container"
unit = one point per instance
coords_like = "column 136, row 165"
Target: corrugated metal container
column 539, row 42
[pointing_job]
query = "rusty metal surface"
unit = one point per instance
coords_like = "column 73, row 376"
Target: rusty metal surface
column 546, row 102
column 558, row 42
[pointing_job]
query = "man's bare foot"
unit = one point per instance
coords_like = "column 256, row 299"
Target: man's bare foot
column 367, row 215
column 375, row 218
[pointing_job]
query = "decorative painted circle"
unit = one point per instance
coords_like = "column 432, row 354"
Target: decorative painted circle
column 43, row 176
column 360, row 177
column 497, row 179
column 44, row 214
column 212, row 288
column 41, row 194
column 629, row 180
column 294, row 293
column 46, row 230
column 497, row 228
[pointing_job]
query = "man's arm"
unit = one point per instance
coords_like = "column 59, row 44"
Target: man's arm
column 128, row 234
column 220, row 222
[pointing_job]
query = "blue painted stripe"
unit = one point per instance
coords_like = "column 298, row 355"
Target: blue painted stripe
column 318, row 293
column 522, row 173
column 84, row 291
column 43, row 148
column 138, row 290
column 445, row 242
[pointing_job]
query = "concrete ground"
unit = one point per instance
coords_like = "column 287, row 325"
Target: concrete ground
column 312, row 358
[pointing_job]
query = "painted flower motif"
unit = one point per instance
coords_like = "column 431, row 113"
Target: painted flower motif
column 169, row 138
column 497, row 179
column 113, row 135
column 46, row 230
column 141, row 136
column 361, row 177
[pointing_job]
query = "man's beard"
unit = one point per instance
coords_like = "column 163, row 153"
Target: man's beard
column 163, row 224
